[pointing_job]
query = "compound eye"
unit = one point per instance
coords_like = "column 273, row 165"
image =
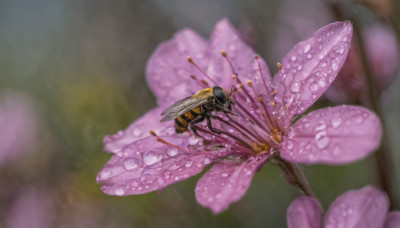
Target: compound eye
column 219, row 95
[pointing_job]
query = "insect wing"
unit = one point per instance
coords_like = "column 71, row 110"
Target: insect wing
column 183, row 106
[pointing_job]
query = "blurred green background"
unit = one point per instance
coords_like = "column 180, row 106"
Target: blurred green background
column 82, row 65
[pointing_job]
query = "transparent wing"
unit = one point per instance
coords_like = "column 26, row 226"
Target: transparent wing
column 183, row 106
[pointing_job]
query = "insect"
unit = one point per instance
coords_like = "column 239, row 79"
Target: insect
column 194, row 109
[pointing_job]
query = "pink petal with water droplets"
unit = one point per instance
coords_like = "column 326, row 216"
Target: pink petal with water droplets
column 226, row 182
column 168, row 71
column 364, row 208
column 312, row 65
column 148, row 165
column 226, row 37
column 335, row 135
column 139, row 129
column 392, row 220
column 304, row 212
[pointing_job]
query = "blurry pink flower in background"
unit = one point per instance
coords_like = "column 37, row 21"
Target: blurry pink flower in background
column 364, row 208
column 32, row 208
column 383, row 58
column 266, row 109
column 17, row 125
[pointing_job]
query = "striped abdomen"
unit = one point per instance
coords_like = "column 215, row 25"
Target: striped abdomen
column 182, row 121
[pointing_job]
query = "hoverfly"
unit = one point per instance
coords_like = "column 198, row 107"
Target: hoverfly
column 194, row 109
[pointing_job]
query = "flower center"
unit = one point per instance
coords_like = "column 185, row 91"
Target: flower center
column 258, row 125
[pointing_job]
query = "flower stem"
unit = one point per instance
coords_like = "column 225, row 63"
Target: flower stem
column 294, row 176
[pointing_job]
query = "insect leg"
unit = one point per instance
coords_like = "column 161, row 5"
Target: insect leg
column 193, row 127
column 209, row 116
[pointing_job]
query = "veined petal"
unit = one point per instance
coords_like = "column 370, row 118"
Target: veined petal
column 139, row 129
column 226, row 37
column 168, row 71
column 364, row 208
column 304, row 212
column 226, row 182
column 311, row 66
column 335, row 135
column 148, row 165
column 392, row 220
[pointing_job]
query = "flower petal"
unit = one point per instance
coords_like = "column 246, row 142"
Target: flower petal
column 139, row 129
column 364, row 208
column 311, row 66
column 168, row 71
column 335, row 135
column 226, row 37
column 226, row 182
column 392, row 220
column 304, row 212
column 148, row 165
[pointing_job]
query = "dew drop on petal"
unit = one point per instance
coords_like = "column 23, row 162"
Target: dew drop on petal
column 335, row 66
column 189, row 163
column 322, row 82
column 336, row 122
column 321, row 125
column 193, row 140
column 172, row 152
column 321, row 139
column 224, row 175
column 289, row 145
column 151, row 157
column 309, row 56
column 314, row 87
column 136, row 132
column 130, row 164
column 207, row 161
column 119, row 191
column 307, row 48
column 294, row 86
column 293, row 58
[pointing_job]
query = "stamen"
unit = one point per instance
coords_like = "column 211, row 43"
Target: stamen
column 223, row 53
column 168, row 143
column 199, row 82
column 279, row 65
column 264, row 81
column 191, row 61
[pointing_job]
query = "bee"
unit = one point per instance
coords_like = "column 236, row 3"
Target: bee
column 194, row 109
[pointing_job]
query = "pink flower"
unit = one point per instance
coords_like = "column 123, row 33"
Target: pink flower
column 367, row 207
column 143, row 163
column 17, row 125
column 383, row 58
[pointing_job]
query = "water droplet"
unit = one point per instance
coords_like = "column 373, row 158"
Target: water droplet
column 189, row 163
column 322, row 82
column 323, row 64
column 151, row 157
column 104, row 174
column 224, row 175
column 321, row 139
column 119, row 191
column 136, row 132
column 335, row 66
column 130, row 164
column 321, row 125
column 307, row 48
column 314, row 87
column 309, row 56
column 193, row 140
column 218, row 196
column 207, row 161
column 167, row 174
column 232, row 47
column 289, row 145
column 359, row 119
column 172, row 152
column 336, row 122
column 293, row 58
column 295, row 86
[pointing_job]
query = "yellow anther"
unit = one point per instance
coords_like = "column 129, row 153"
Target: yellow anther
column 279, row 65
column 273, row 103
column 190, row 60
column 260, row 99
column 249, row 83
column 256, row 57
column 192, row 76
column 234, row 76
column 223, row 53
column 239, row 90
column 274, row 92
column 241, row 86
column 153, row 133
